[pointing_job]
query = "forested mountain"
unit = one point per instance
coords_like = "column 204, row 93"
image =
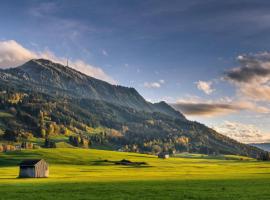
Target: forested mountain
column 264, row 146
column 55, row 79
column 42, row 99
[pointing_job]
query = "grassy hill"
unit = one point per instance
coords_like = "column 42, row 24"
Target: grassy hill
column 91, row 174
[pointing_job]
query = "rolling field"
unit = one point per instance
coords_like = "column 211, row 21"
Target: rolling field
column 84, row 174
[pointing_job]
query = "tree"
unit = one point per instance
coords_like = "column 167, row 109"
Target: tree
column 43, row 133
column 12, row 135
column 156, row 149
column 264, row 156
column 172, row 151
column 42, row 125
column 49, row 143
column 51, row 129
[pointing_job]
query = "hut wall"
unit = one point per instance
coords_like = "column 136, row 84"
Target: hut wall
column 27, row 172
column 164, row 156
column 41, row 169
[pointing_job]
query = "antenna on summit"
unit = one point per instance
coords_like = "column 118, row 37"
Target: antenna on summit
column 67, row 62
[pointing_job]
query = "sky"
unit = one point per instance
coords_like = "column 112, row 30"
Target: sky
column 208, row 59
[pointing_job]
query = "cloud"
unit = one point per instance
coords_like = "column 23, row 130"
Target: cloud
column 152, row 85
column 252, row 68
column 162, row 81
column 67, row 29
column 13, row 54
column 43, row 9
column 206, row 109
column 256, row 91
column 242, row 132
column 104, row 52
column 252, row 77
column 252, row 81
column 199, row 107
column 204, row 86
column 157, row 84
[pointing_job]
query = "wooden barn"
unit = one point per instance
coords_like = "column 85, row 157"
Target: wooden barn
column 37, row 168
column 163, row 155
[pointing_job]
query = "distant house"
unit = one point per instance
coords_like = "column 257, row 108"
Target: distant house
column 163, row 155
column 34, row 169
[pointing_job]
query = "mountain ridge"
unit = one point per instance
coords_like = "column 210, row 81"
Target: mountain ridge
column 264, row 146
column 44, row 99
column 46, row 73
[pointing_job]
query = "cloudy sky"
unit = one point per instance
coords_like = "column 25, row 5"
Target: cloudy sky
column 209, row 59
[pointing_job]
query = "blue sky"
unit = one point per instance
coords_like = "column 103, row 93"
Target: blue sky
column 178, row 51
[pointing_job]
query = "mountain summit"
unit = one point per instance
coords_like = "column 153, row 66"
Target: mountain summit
column 53, row 78
column 45, row 99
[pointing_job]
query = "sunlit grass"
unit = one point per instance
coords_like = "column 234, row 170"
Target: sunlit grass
column 69, row 167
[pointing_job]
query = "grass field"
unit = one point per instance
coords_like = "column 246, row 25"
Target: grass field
column 83, row 174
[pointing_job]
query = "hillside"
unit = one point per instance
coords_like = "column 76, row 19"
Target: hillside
column 45, row 100
column 52, row 78
column 263, row 146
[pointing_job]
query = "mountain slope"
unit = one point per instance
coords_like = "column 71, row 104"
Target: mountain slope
column 50, row 78
column 264, row 146
column 46, row 99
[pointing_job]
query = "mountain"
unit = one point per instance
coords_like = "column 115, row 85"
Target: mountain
column 263, row 146
column 52, row 78
column 45, row 99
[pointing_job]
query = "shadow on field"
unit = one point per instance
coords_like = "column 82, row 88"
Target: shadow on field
column 140, row 156
column 3, row 178
column 124, row 162
column 9, row 159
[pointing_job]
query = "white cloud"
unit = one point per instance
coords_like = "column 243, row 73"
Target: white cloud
column 168, row 99
column 13, row 54
column 205, row 86
column 255, row 91
column 157, row 84
column 245, row 133
column 162, row 81
column 152, row 85
column 104, row 52
column 252, row 77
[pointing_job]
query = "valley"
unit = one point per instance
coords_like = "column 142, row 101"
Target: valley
column 83, row 174
column 134, row 100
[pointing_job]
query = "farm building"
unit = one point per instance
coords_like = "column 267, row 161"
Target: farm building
column 163, row 155
column 34, row 169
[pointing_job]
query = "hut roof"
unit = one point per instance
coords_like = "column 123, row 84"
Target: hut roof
column 31, row 162
column 163, row 153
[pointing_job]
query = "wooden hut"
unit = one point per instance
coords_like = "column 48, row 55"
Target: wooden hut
column 37, row 168
column 163, row 155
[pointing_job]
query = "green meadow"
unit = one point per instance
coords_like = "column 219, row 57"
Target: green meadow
column 92, row 174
